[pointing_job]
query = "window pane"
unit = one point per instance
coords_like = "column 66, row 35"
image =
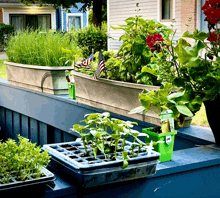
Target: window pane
column 44, row 22
column 17, row 22
column 166, row 6
column 74, row 21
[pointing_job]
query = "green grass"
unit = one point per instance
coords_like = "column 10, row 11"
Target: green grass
column 200, row 118
column 43, row 49
column 3, row 73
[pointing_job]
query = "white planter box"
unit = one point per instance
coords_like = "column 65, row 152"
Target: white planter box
column 50, row 80
column 114, row 96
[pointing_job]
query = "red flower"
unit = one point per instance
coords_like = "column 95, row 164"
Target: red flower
column 211, row 9
column 214, row 38
column 151, row 40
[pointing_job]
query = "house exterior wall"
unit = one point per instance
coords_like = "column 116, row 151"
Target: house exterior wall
column 75, row 11
column 119, row 10
column 29, row 10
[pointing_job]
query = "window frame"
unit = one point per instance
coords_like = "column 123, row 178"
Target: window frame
column 171, row 11
column 73, row 14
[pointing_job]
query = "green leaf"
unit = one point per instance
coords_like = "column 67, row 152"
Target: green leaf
column 176, row 95
column 137, row 110
column 197, row 35
column 148, row 70
column 184, row 110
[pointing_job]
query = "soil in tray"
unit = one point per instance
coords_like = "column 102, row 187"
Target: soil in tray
column 156, row 129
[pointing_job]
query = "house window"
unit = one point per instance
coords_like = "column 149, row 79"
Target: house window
column 74, row 20
column 22, row 21
column 166, row 10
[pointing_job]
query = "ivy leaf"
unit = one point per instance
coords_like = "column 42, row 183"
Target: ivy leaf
column 137, row 110
column 148, row 70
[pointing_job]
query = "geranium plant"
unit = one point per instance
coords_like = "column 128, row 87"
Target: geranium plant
column 196, row 67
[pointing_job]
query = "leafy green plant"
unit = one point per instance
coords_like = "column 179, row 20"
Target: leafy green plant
column 135, row 52
column 43, row 49
column 166, row 98
column 5, row 32
column 91, row 38
column 96, row 135
column 21, row 160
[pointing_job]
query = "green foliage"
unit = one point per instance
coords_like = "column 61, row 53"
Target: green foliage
column 21, row 160
column 3, row 71
column 5, row 32
column 166, row 98
column 96, row 131
column 43, row 49
column 91, row 37
column 134, row 51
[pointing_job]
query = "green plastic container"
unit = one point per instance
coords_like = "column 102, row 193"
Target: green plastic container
column 71, row 89
column 166, row 148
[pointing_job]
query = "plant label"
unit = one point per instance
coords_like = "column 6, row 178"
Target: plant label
column 167, row 118
column 168, row 139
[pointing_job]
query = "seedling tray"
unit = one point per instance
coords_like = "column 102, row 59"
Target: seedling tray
column 89, row 172
column 46, row 177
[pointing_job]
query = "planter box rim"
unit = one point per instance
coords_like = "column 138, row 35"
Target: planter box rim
column 114, row 82
column 55, row 68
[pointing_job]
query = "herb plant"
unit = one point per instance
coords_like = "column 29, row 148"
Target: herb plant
column 104, row 135
column 21, row 160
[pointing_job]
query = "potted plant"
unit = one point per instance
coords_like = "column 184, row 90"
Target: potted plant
column 198, row 75
column 100, row 157
column 22, row 164
column 40, row 65
column 170, row 105
column 125, row 76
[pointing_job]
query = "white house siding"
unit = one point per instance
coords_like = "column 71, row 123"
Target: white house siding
column 119, row 10
column 29, row 10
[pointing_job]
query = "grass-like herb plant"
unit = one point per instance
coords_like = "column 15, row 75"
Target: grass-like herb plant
column 40, row 48
column 22, row 160
column 108, row 136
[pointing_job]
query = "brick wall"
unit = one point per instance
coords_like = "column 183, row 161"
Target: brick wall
column 1, row 16
column 188, row 15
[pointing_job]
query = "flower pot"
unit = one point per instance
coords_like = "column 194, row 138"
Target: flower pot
column 187, row 123
column 15, row 187
column 50, row 80
column 114, row 96
column 71, row 90
column 166, row 148
column 212, row 108
column 89, row 172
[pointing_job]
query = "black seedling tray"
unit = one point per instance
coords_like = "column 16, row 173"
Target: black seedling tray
column 93, row 172
column 46, row 177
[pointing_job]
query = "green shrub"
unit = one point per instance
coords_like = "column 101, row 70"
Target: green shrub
column 5, row 32
column 90, row 38
column 43, row 49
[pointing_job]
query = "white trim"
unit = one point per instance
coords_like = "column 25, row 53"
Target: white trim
column 108, row 27
column 74, row 14
column 198, row 15
column 159, row 12
column 27, row 10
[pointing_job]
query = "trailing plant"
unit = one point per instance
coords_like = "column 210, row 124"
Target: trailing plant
column 22, row 160
column 108, row 136
column 43, row 49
